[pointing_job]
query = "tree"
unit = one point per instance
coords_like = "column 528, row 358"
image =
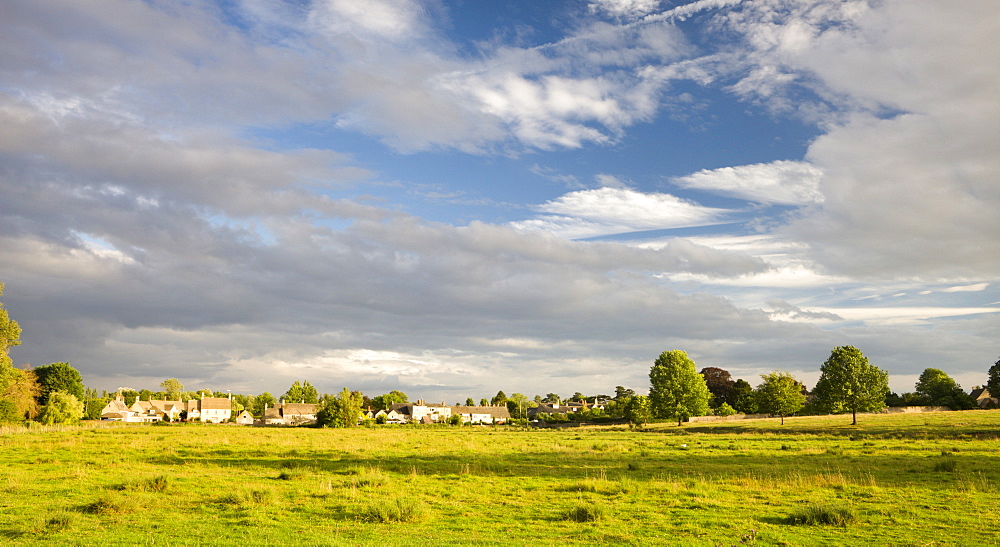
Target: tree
column 385, row 402
column 780, row 394
column 622, row 392
column 262, row 402
column 19, row 398
column 719, row 382
column 742, row 398
column 992, row 385
column 58, row 377
column 637, row 410
column 469, row 401
column 938, row 389
column 173, row 388
column 340, row 411
column 517, row 405
column 848, row 382
column 484, row 402
column 10, row 336
column 553, row 398
column 577, row 397
column 301, row 393
column 62, row 408
column 676, row 389
column 500, row 399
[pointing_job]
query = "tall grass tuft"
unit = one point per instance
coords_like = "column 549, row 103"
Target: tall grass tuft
column 947, row 465
column 823, row 514
column 111, row 504
column 584, row 513
column 391, row 510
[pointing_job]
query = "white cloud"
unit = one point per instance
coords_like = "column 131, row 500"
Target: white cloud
column 784, row 182
column 609, row 210
column 625, row 8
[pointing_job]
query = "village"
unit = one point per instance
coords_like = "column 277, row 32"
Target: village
column 217, row 410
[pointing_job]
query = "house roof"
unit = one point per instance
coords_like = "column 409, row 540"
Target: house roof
column 215, row 403
column 494, row 411
column 298, row 409
column 980, row 393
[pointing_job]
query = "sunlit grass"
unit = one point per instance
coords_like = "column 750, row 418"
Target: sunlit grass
column 890, row 480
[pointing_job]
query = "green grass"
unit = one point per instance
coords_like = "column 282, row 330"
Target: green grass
column 891, row 480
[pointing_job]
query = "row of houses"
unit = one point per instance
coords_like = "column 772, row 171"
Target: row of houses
column 206, row 409
column 219, row 409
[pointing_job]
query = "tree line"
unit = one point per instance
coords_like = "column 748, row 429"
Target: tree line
column 55, row 393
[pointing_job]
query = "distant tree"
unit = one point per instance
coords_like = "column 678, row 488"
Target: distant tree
column 469, row 401
column 577, row 397
column 676, row 389
column 385, row 402
column 58, row 377
column 719, row 383
column 992, row 384
column 741, row 397
column 500, row 399
column 261, row 403
column 848, row 382
column 622, row 392
column 172, row 388
column 517, row 405
column 340, row 411
column 19, row 397
column 538, row 399
column 61, row 408
column 301, row 393
column 780, row 394
column 484, row 402
column 552, row 398
column 10, row 336
column 906, row 399
column 939, row 389
column 725, row 410
column 638, row 410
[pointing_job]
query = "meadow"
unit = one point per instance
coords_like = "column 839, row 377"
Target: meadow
column 922, row 479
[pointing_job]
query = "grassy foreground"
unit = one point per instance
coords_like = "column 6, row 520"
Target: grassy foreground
column 927, row 479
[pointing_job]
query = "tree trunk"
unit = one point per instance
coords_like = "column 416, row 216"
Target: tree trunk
column 679, row 419
column 854, row 414
column 782, row 419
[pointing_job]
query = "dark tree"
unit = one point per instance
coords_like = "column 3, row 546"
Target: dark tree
column 719, row 382
column 621, row 392
column 500, row 399
column 993, row 384
column 59, row 377
column 741, row 397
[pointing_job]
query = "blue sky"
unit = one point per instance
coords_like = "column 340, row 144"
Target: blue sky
column 456, row 197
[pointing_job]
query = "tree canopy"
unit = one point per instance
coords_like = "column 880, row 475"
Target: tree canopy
column 385, row 402
column 849, row 383
column 936, row 388
column 676, row 390
column 993, row 384
column 343, row 410
column 780, row 394
column 173, row 388
column 742, row 398
column 58, row 377
column 719, row 383
column 62, row 408
column 301, row 393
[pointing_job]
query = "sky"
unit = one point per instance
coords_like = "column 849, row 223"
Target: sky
column 455, row 197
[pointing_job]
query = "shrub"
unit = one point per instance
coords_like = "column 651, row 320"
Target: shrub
column 393, row 510
column 725, row 410
column 816, row 514
column 584, row 513
column 948, row 465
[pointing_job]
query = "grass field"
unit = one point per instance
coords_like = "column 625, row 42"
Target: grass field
column 927, row 479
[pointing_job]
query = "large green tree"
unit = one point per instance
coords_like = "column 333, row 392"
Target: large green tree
column 936, row 388
column 780, row 394
column 386, row 400
column 849, row 383
column 993, row 384
column 173, row 388
column 62, row 408
column 10, row 336
column 301, row 393
column 59, row 377
column 343, row 410
column 676, row 389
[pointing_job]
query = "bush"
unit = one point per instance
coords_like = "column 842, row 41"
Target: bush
column 394, row 510
column 584, row 513
column 725, row 410
column 821, row 514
